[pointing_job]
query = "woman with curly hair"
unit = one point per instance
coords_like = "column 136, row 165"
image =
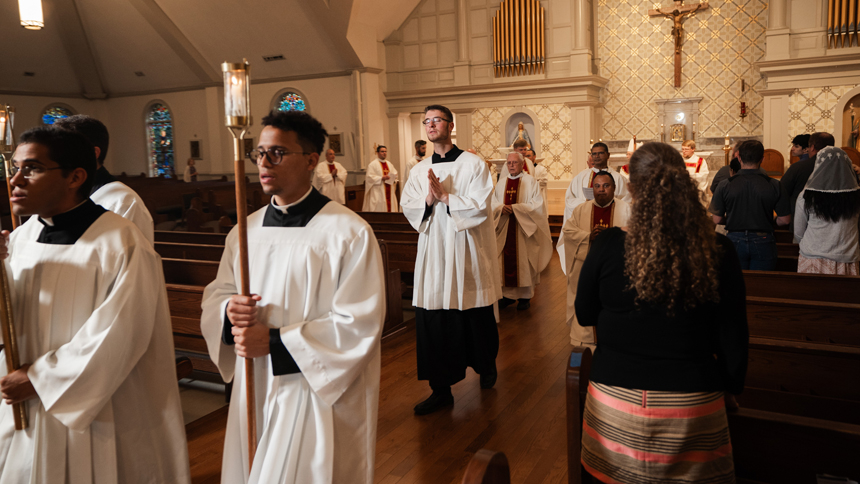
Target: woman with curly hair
column 667, row 299
column 826, row 217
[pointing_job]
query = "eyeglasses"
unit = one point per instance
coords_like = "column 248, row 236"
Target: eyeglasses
column 435, row 120
column 30, row 170
column 274, row 155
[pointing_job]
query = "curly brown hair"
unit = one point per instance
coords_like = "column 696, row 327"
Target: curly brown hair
column 671, row 253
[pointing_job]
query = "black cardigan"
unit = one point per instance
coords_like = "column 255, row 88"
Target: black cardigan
column 700, row 350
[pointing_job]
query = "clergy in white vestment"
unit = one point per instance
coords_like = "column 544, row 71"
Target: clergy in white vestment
column 420, row 153
column 330, row 177
column 624, row 170
column 522, row 147
column 542, row 176
column 523, row 238
column 380, row 181
column 585, row 223
column 581, row 187
column 107, row 191
column 697, row 167
column 312, row 325
column 98, row 375
column 448, row 199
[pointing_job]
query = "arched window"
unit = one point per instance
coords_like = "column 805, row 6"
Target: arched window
column 53, row 113
column 290, row 101
column 159, row 129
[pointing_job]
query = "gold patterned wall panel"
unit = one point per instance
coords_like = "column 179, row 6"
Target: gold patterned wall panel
column 812, row 109
column 721, row 46
column 555, row 135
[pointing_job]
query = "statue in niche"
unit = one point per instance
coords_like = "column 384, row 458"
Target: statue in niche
column 522, row 134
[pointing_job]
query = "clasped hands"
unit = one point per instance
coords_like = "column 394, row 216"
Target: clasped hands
column 437, row 191
column 250, row 335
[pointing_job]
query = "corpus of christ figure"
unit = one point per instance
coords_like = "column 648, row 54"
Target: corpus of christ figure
column 677, row 15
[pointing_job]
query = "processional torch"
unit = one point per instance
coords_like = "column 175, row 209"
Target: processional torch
column 237, row 109
column 7, row 326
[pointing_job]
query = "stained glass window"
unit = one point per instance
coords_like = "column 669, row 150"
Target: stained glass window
column 159, row 128
column 291, row 101
column 54, row 113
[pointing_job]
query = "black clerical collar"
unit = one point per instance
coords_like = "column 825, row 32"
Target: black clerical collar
column 68, row 227
column 101, row 178
column 449, row 156
column 297, row 215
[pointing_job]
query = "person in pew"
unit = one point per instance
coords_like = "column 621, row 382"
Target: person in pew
column 448, row 199
column 577, row 234
column 190, row 174
column 107, row 191
column 541, row 175
column 330, row 178
column 795, row 177
column 91, row 313
column 667, row 300
column 827, row 213
column 379, row 182
column 800, row 147
column 312, row 325
column 522, row 234
column 745, row 203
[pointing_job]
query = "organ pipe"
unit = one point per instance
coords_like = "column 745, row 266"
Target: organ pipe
column 519, row 46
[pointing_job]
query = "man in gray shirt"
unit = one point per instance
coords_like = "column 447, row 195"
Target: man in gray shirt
column 745, row 204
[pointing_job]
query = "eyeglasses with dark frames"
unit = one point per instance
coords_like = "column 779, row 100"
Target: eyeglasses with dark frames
column 273, row 155
column 30, row 170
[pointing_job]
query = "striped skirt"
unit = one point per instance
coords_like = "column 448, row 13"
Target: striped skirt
column 642, row 437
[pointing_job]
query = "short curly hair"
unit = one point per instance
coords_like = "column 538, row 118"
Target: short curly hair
column 310, row 132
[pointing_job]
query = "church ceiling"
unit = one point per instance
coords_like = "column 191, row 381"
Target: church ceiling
column 102, row 48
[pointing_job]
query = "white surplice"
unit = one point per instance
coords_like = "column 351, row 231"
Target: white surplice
column 322, row 287
column 542, row 176
column 327, row 184
column 697, row 167
column 374, row 187
column 92, row 318
column 575, row 195
column 534, row 241
column 456, row 266
column 572, row 247
column 125, row 202
column 410, row 164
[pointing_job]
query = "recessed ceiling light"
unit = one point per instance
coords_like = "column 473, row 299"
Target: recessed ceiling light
column 270, row 58
column 29, row 74
column 139, row 73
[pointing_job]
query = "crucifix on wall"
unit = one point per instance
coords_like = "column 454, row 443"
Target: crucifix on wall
column 677, row 14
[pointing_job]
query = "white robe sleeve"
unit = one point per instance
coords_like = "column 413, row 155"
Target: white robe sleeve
column 529, row 213
column 392, row 174
column 412, row 199
column 574, row 239
column 469, row 209
column 75, row 381
column 333, row 350
column 373, row 176
column 322, row 176
column 215, row 298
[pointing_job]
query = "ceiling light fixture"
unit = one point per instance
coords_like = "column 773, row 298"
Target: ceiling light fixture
column 31, row 14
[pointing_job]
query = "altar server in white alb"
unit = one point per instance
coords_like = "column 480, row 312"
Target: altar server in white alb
column 420, row 153
column 312, row 325
column 697, row 167
column 448, row 200
column 107, row 191
column 329, row 178
column 586, row 222
column 90, row 309
column 380, row 183
column 542, row 177
column 581, row 188
column 522, row 234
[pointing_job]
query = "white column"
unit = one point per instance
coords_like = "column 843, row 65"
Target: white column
column 778, row 36
column 464, row 127
column 776, row 133
column 581, row 55
column 462, row 69
column 776, row 15
column 584, row 127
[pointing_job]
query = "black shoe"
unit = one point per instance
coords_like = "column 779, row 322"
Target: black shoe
column 489, row 380
column 437, row 401
column 523, row 304
column 505, row 302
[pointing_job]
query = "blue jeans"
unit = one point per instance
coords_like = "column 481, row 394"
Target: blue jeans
column 756, row 250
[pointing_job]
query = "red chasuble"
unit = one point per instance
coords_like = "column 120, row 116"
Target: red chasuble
column 509, row 253
column 601, row 216
column 625, row 169
column 387, row 186
column 696, row 164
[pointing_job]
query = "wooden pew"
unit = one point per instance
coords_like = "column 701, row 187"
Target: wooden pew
column 804, row 287
column 401, row 255
column 487, row 467
column 175, row 250
column 189, row 272
column 190, row 237
column 393, row 290
column 185, row 311
column 767, row 446
column 800, row 320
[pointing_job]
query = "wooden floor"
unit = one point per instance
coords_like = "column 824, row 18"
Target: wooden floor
column 523, row 416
